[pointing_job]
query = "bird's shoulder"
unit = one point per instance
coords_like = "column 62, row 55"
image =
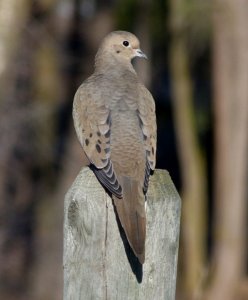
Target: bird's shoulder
column 146, row 101
column 90, row 88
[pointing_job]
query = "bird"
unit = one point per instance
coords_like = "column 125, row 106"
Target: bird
column 115, row 122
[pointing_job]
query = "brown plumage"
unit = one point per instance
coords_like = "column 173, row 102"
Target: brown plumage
column 114, row 117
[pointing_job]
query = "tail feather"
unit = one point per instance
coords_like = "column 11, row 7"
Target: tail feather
column 131, row 212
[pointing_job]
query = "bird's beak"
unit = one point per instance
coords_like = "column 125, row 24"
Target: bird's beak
column 139, row 53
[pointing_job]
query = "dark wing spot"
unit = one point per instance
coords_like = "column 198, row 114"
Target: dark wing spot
column 87, row 142
column 91, row 134
column 98, row 133
column 107, row 150
column 152, row 151
column 98, row 148
column 99, row 142
column 107, row 134
column 108, row 120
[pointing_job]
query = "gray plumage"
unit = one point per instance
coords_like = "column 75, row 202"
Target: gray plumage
column 114, row 117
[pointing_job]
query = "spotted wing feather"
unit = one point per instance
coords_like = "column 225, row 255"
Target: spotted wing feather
column 92, row 121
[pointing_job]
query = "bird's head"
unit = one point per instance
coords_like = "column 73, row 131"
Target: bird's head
column 122, row 45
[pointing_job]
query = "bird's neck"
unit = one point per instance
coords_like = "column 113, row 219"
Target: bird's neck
column 107, row 63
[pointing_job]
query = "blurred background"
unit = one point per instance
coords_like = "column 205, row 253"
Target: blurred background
column 198, row 73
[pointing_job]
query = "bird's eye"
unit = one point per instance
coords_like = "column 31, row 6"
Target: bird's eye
column 126, row 43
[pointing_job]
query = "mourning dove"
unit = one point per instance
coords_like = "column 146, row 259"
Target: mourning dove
column 114, row 118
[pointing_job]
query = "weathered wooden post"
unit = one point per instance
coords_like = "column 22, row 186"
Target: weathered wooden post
column 97, row 261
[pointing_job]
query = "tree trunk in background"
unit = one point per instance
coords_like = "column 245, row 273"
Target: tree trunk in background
column 27, row 138
column 142, row 30
column 230, row 58
column 193, row 225
column 13, row 16
column 16, row 189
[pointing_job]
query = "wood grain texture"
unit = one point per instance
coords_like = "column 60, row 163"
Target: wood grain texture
column 98, row 262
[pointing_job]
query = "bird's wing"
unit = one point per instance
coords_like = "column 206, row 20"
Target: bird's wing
column 92, row 121
column 147, row 117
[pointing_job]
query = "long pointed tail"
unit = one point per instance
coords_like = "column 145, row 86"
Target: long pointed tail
column 131, row 212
